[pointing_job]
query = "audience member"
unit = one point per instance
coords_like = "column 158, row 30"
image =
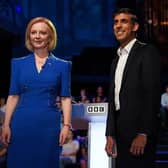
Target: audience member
column 164, row 108
column 2, row 104
column 2, row 101
column 3, row 148
column 69, row 151
column 84, row 152
column 100, row 97
column 58, row 102
column 83, row 98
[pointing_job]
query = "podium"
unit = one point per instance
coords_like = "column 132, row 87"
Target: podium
column 96, row 113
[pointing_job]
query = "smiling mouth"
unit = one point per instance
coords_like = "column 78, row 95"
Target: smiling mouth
column 119, row 32
column 38, row 41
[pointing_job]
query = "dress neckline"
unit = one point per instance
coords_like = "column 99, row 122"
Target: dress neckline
column 39, row 71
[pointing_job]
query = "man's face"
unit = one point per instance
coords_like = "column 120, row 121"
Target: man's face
column 124, row 28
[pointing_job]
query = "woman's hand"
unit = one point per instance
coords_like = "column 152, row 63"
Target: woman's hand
column 6, row 135
column 63, row 135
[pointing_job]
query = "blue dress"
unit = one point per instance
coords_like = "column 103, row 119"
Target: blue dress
column 35, row 123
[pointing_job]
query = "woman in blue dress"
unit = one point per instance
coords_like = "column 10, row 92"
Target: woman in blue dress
column 32, row 123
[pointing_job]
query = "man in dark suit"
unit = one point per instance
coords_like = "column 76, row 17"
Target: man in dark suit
column 134, row 97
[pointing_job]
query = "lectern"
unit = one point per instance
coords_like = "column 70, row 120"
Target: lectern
column 96, row 114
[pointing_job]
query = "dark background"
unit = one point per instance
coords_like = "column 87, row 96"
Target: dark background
column 85, row 35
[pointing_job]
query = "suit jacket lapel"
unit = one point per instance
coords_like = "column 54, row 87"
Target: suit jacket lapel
column 113, row 67
column 129, row 60
column 112, row 74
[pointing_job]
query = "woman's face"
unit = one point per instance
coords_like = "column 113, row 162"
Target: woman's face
column 40, row 35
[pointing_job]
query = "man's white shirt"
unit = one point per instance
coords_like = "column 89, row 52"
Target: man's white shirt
column 123, row 56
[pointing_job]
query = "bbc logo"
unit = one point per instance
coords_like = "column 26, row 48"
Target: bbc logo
column 96, row 109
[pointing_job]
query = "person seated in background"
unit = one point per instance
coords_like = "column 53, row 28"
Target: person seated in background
column 2, row 101
column 69, row 151
column 2, row 104
column 99, row 97
column 164, row 108
column 58, row 102
column 3, row 148
column 84, row 152
column 83, row 98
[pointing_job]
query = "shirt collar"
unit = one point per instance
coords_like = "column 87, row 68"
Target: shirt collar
column 127, row 48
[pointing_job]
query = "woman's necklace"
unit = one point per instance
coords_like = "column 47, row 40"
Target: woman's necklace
column 40, row 63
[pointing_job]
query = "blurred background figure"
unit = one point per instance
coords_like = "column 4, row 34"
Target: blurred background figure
column 68, row 157
column 2, row 104
column 83, row 98
column 164, row 108
column 3, row 148
column 58, row 102
column 99, row 97
column 84, row 152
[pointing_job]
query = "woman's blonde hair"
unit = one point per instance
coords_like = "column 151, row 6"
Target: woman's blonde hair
column 52, row 43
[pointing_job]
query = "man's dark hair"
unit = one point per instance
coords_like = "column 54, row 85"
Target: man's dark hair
column 127, row 11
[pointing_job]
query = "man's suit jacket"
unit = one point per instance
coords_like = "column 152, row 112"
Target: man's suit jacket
column 139, row 94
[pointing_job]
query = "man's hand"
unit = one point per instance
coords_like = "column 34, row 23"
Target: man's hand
column 138, row 144
column 110, row 147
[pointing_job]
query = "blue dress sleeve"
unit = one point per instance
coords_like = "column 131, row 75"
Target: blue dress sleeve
column 14, row 84
column 66, row 80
